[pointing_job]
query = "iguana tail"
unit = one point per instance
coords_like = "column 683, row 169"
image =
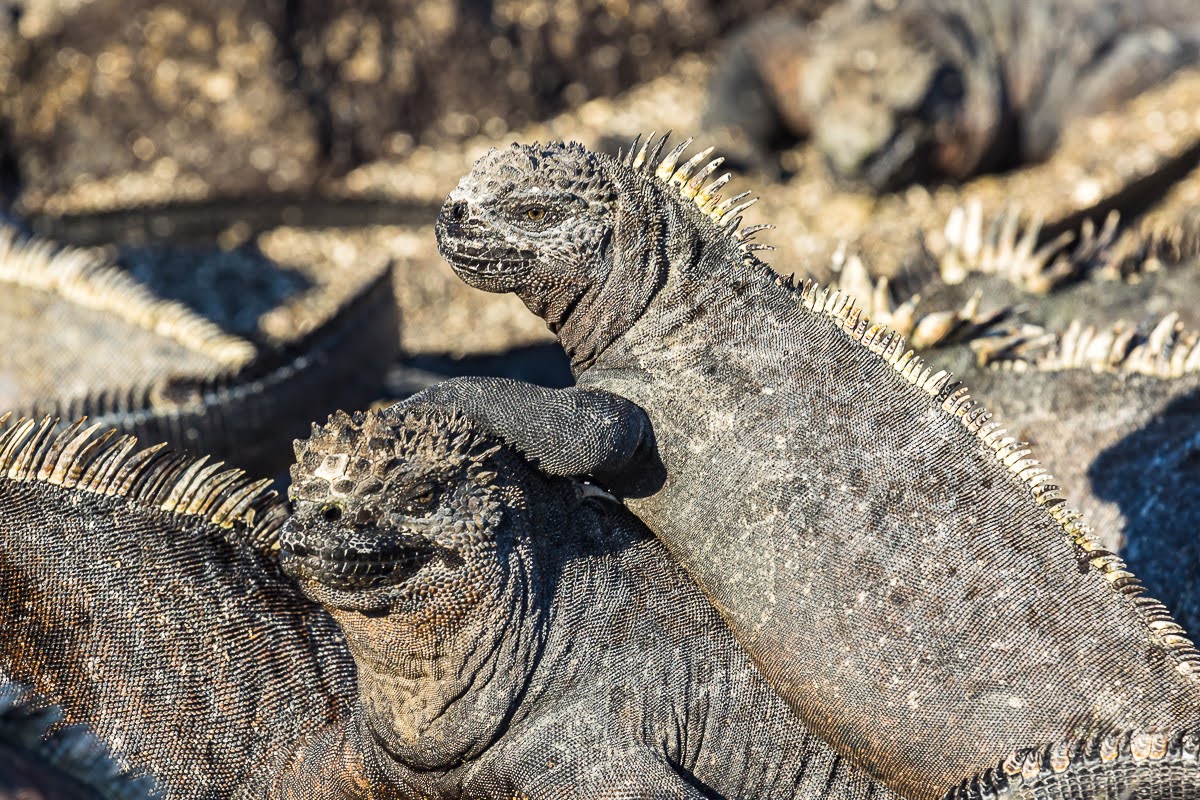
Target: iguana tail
column 1130, row 765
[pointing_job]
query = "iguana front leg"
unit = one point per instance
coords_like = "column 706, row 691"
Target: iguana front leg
column 573, row 431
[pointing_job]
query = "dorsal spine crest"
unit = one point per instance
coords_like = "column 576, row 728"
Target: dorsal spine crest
column 1014, row 454
column 688, row 183
column 103, row 463
column 84, row 278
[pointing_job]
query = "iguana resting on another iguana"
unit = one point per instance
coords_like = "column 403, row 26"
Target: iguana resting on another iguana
column 925, row 89
column 903, row 572
column 603, row 671
column 446, row 557
column 516, row 636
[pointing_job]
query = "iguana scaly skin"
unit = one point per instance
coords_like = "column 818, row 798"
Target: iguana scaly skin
column 522, row 636
column 135, row 594
column 42, row 759
column 1101, row 375
column 96, row 343
column 901, row 570
column 927, row 89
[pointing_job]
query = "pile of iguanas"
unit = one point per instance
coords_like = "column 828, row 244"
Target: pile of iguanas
column 858, row 585
column 760, row 549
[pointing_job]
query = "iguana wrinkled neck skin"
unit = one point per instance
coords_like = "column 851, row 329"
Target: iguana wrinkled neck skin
column 899, row 570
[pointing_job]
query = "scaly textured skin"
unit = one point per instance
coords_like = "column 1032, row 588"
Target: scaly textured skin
column 41, row 759
column 522, row 636
column 135, row 594
column 928, row 89
column 179, row 379
column 1089, row 352
column 1143, row 766
column 903, row 573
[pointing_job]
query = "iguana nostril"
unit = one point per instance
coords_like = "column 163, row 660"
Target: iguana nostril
column 456, row 211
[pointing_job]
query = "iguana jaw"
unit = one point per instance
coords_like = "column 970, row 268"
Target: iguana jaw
column 351, row 569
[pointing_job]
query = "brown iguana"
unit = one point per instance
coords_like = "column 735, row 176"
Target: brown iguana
column 893, row 92
column 904, row 572
column 88, row 339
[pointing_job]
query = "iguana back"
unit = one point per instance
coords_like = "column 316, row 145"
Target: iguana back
column 903, row 572
column 137, row 594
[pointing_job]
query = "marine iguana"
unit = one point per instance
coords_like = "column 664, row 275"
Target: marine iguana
column 919, row 90
column 136, row 594
column 42, row 760
column 519, row 635
column 421, row 533
column 89, row 340
column 903, row 572
column 424, row 537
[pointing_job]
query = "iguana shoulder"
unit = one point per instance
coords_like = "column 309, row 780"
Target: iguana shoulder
column 138, row 593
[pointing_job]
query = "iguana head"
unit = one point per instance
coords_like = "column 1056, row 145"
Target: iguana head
column 388, row 510
column 901, row 98
column 535, row 220
column 583, row 239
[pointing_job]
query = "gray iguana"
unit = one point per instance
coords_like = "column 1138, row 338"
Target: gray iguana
column 926, row 89
column 904, row 572
column 137, row 595
column 521, row 635
column 136, row 592
column 87, row 339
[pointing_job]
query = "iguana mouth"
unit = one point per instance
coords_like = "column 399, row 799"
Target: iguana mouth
column 337, row 564
column 482, row 264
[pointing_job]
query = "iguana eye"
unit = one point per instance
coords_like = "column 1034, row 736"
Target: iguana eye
column 421, row 498
column 331, row 512
column 535, row 213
